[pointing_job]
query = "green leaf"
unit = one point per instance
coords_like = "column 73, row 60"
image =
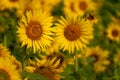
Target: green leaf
column 106, row 78
column 34, row 76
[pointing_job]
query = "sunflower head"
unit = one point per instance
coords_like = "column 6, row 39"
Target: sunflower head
column 9, row 4
column 8, row 71
column 4, row 75
column 47, row 67
column 69, row 7
column 113, row 32
column 84, row 5
column 74, row 31
column 29, row 5
column 35, row 30
column 100, row 58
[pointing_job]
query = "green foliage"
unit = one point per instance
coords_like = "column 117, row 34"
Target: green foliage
column 34, row 76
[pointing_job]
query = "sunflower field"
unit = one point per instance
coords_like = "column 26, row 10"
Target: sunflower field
column 59, row 39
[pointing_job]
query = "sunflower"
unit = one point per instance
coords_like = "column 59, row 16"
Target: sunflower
column 73, row 33
column 29, row 5
column 9, row 4
column 113, row 32
column 4, row 52
column 34, row 30
column 48, row 68
column 8, row 71
column 69, row 7
column 84, row 5
column 100, row 58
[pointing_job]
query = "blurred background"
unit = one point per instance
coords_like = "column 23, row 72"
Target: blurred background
column 100, row 61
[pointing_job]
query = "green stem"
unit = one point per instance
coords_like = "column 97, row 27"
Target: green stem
column 23, row 62
column 76, row 66
column 23, row 67
column 76, row 63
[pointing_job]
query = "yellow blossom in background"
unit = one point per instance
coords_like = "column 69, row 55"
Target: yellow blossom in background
column 83, row 5
column 73, row 33
column 9, row 4
column 28, row 5
column 4, row 52
column 34, row 30
column 113, row 32
column 48, row 5
column 69, row 7
column 100, row 58
column 8, row 70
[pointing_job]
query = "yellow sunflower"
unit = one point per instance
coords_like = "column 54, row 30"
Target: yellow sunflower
column 8, row 70
column 48, row 68
column 4, row 52
column 69, row 7
column 50, row 3
column 9, row 4
column 29, row 5
column 73, row 33
column 113, row 32
column 100, row 58
column 35, row 30
column 84, row 5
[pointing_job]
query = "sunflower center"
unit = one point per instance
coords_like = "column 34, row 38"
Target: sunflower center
column 72, row 32
column 4, row 75
column 115, row 33
column 42, row 2
column 13, row 0
column 95, row 57
column 34, row 30
column 46, row 72
column 83, row 5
